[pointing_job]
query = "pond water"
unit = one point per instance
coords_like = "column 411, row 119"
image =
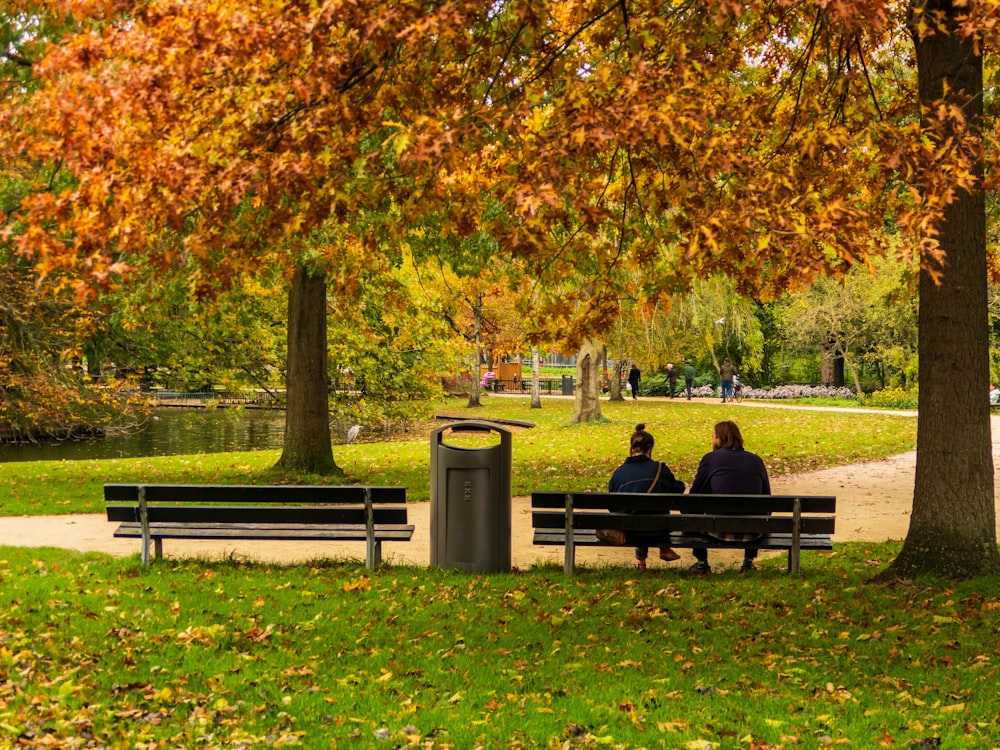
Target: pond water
column 170, row 432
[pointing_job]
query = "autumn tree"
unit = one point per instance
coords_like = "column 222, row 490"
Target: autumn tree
column 953, row 345
column 773, row 143
column 224, row 139
column 45, row 392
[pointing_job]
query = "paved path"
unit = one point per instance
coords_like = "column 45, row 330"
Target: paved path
column 873, row 503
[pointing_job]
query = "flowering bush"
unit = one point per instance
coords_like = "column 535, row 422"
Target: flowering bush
column 888, row 398
column 892, row 398
column 798, row 391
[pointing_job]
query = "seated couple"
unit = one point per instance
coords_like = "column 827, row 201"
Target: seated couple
column 727, row 469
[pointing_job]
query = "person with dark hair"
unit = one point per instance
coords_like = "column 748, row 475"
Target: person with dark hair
column 633, row 380
column 640, row 473
column 729, row 469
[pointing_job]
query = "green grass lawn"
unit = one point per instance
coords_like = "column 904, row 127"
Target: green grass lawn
column 96, row 653
column 553, row 455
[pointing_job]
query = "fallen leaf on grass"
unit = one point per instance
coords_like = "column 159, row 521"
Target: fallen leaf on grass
column 671, row 726
column 359, row 584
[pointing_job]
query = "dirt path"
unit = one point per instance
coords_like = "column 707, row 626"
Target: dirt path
column 873, row 504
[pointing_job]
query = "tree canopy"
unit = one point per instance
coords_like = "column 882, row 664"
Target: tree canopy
column 770, row 142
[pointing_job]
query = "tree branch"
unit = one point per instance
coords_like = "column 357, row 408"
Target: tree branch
column 18, row 59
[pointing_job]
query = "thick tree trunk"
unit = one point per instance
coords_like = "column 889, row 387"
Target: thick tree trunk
column 953, row 526
column 615, row 386
column 307, row 446
column 587, row 405
column 831, row 367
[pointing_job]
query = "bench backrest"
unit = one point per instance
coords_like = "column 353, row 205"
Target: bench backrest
column 284, row 504
column 759, row 514
column 676, row 503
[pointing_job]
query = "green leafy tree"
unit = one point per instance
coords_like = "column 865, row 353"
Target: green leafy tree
column 867, row 319
column 203, row 136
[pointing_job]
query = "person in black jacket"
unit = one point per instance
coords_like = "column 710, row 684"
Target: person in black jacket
column 633, row 380
column 640, row 473
column 729, row 469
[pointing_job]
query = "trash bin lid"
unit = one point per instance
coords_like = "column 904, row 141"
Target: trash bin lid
column 472, row 425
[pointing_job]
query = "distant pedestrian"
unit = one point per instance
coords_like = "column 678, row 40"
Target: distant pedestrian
column 688, row 378
column 726, row 373
column 672, row 378
column 633, row 380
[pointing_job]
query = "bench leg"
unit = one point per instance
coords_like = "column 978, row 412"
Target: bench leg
column 569, row 559
column 373, row 558
column 793, row 560
column 144, row 523
column 793, row 553
column 373, row 547
column 158, row 547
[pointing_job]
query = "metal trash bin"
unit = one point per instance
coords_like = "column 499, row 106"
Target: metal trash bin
column 471, row 501
column 568, row 384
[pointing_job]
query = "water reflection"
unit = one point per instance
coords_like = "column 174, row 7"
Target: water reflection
column 171, row 432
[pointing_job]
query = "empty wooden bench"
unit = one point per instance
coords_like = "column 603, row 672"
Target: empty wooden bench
column 154, row 512
column 792, row 523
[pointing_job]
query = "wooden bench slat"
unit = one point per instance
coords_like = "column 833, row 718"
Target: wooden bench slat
column 586, row 538
column 690, row 523
column 684, row 503
column 395, row 532
column 249, row 514
column 770, row 541
column 255, row 494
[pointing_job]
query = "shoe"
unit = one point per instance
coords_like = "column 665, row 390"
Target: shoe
column 640, row 564
column 747, row 566
column 701, row 567
column 668, row 555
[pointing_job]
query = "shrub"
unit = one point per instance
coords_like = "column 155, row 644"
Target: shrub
column 891, row 398
column 798, row 391
column 657, row 385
